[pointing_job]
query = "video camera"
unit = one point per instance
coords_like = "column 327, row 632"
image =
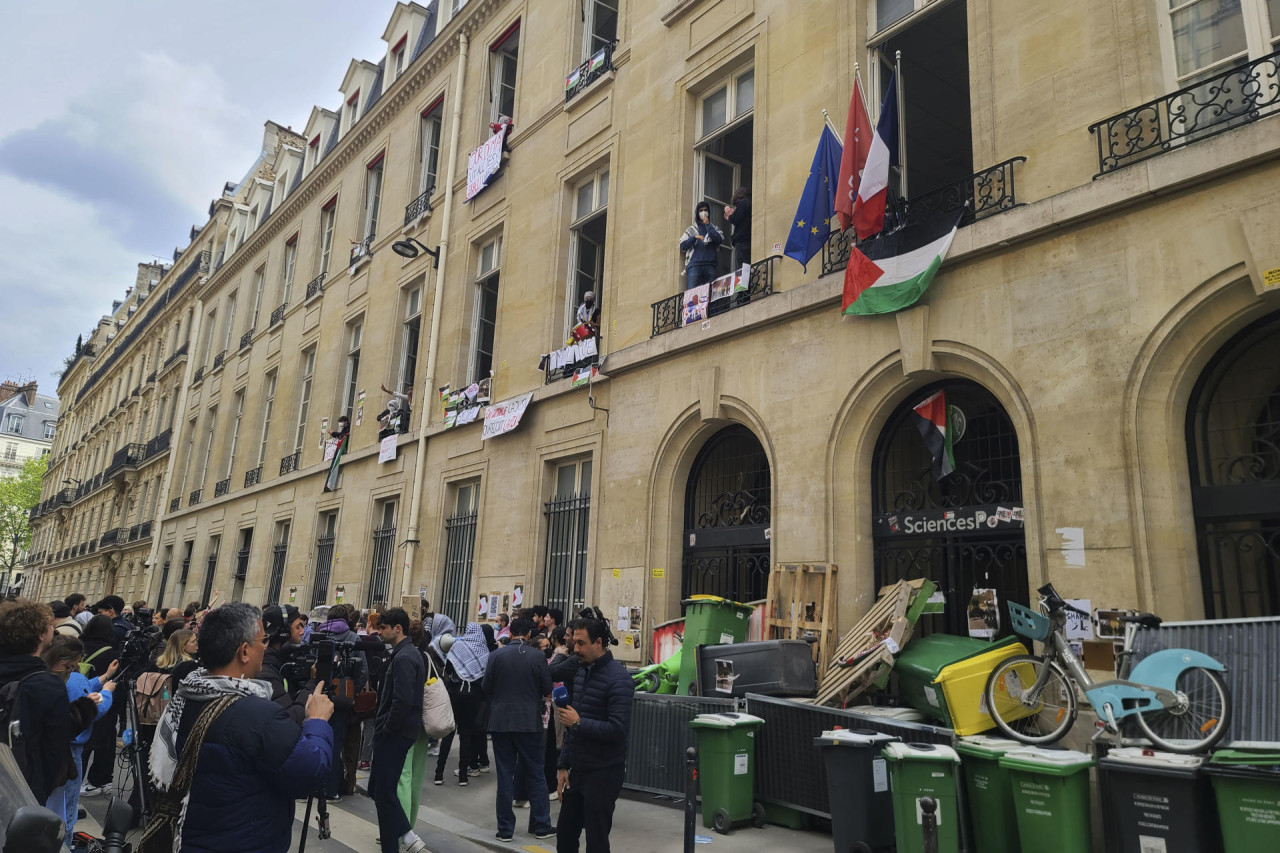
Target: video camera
column 594, row 613
column 141, row 617
column 332, row 660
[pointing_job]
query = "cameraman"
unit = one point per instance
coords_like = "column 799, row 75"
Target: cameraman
column 338, row 628
column 283, row 627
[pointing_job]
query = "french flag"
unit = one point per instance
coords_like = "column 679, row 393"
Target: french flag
column 868, row 207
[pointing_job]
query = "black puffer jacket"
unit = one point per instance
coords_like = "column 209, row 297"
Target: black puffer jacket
column 602, row 696
column 48, row 720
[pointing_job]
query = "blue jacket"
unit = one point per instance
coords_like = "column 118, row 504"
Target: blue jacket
column 602, row 695
column 77, row 686
column 253, row 764
column 516, row 680
column 703, row 253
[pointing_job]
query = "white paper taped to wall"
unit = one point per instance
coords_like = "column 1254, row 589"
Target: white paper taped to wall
column 1072, row 545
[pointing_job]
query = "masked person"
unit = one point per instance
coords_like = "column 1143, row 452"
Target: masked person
column 699, row 243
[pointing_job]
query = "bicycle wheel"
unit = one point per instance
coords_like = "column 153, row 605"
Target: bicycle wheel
column 1198, row 722
column 1042, row 718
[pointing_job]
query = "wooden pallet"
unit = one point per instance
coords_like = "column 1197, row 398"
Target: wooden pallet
column 802, row 601
column 894, row 614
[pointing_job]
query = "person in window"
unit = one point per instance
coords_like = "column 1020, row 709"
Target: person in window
column 343, row 430
column 588, row 318
column 395, row 417
column 738, row 214
column 699, row 243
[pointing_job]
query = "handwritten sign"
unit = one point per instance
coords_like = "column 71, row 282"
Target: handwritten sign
column 505, row 416
column 483, row 164
column 387, row 450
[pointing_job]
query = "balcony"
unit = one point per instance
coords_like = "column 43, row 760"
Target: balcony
column 219, row 360
column 315, row 286
column 198, row 376
column 290, row 463
column 221, row 487
column 126, row 457
column 418, row 208
column 175, row 504
column 667, row 315
column 151, row 377
column 194, row 497
column 253, row 478
column 980, row 195
column 145, row 531
column 111, row 537
column 177, row 354
column 1227, row 100
column 134, row 531
column 599, row 64
column 158, row 445
column 246, row 339
column 277, row 316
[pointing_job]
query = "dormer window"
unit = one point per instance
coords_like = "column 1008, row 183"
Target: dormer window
column 398, row 56
column 253, row 216
column 313, row 152
column 353, row 110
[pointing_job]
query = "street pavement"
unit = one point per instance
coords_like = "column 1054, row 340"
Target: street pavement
column 457, row 819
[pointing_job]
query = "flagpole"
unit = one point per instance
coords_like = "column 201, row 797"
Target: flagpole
column 902, row 122
column 831, row 127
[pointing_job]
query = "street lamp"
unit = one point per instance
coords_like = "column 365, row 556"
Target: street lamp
column 410, row 248
column 73, row 480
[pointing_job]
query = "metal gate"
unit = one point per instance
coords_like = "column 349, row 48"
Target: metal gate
column 459, row 552
column 324, row 563
column 965, row 531
column 384, row 546
column 277, row 571
column 726, row 519
column 567, row 529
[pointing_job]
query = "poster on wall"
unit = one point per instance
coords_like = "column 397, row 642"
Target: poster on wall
column 517, row 596
column 984, row 614
column 482, row 611
column 495, row 598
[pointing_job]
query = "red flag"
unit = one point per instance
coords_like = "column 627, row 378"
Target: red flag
column 857, row 144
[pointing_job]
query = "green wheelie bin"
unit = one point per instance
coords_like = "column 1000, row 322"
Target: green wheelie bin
column 916, row 771
column 1051, row 798
column 1246, row 784
column 989, row 792
column 727, row 769
column 708, row 621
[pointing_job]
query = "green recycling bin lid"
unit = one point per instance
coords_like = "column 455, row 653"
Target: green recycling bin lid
column 920, row 752
column 1051, row 762
column 1245, row 758
column 714, row 600
column 728, row 720
column 986, row 746
column 1140, row 757
column 853, row 737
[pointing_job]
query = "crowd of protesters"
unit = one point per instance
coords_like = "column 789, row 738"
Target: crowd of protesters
column 236, row 719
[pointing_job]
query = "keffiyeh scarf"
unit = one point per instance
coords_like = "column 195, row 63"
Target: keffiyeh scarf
column 440, row 625
column 470, row 653
column 198, row 686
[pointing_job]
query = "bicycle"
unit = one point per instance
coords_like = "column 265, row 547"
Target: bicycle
column 1177, row 697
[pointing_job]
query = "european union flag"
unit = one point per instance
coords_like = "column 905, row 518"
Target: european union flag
column 812, row 224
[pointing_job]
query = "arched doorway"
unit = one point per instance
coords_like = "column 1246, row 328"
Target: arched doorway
column 1233, row 440
column 964, row 532
column 726, row 519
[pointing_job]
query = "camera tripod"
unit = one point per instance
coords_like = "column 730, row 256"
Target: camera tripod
column 322, row 819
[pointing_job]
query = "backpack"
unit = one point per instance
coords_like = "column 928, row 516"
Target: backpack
column 10, row 713
column 86, row 666
column 151, row 696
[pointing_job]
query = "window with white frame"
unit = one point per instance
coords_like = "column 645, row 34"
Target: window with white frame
column 485, row 309
column 587, row 242
column 355, row 336
column 231, row 320
column 599, row 25
column 724, row 149
column 411, row 331
column 313, row 152
column 209, row 334
column 372, row 196
column 398, row 57
column 235, row 432
column 49, row 428
column 290, row 264
column 304, row 398
column 502, row 69
column 268, row 405
column 1208, row 36
column 210, row 422
column 353, row 110
column 259, row 282
column 15, row 423
column 429, row 156
column 327, row 218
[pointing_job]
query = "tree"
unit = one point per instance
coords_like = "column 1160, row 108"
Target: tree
column 18, row 495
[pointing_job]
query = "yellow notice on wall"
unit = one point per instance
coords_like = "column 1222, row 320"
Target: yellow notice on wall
column 617, row 573
column 657, row 573
column 1271, row 278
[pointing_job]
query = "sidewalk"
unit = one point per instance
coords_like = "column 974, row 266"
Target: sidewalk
column 642, row 823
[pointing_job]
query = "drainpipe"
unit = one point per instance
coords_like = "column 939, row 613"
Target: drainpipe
column 428, row 382
column 179, row 419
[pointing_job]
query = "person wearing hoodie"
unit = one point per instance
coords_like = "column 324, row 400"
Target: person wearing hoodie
column 338, row 627
column 100, row 652
column 62, row 658
column 47, row 719
column 699, row 242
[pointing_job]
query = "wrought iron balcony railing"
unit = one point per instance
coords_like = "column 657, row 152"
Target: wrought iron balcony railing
column 595, row 67
column 146, row 530
column 667, row 313
column 290, row 463
column 277, row 316
column 219, row 360
column 134, row 531
column 1227, row 100
column 418, row 208
column 159, row 444
column 980, row 195
column 177, row 354
column 194, row 497
column 316, row 285
column 246, row 339
column 111, row 536
column 198, row 376
column 253, row 478
column 221, row 487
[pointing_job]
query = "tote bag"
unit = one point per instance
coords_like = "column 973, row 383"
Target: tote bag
column 437, row 711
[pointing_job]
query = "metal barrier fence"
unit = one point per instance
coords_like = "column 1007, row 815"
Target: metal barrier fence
column 659, row 736
column 789, row 769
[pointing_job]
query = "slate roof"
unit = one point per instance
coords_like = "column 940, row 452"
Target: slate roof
column 33, row 417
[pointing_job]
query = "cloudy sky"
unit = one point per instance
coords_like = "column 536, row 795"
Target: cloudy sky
column 129, row 117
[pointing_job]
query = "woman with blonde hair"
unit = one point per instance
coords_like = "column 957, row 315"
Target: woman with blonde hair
column 177, row 650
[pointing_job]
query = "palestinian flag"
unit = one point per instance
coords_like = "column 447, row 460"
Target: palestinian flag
column 892, row 271
column 584, row 375
column 597, row 60
column 934, row 422
column 331, row 484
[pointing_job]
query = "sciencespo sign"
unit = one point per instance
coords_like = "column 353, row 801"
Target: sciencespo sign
column 960, row 520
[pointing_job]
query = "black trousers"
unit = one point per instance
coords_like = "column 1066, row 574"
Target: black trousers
column 466, row 712
column 100, row 750
column 389, row 752
column 588, row 804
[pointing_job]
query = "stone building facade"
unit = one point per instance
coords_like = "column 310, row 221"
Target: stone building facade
column 1105, row 325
